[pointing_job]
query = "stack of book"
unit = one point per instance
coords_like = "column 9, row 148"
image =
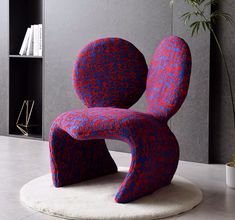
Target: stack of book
column 32, row 43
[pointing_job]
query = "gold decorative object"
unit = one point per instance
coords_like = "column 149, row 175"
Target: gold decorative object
column 27, row 106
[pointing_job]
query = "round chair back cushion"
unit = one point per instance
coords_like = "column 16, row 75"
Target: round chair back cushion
column 110, row 72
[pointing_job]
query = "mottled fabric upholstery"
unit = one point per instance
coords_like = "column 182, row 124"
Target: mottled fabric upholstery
column 168, row 77
column 77, row 147
column 110, row 72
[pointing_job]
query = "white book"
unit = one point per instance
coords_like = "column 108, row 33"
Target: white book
column 36, row 40
column 40, row 40
column 25, row 43
column 30, row 42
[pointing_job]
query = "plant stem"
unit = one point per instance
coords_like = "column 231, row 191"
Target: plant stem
column 227, row 72
column 224, row 60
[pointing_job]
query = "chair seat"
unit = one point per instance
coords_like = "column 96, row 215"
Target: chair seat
column 95, row 123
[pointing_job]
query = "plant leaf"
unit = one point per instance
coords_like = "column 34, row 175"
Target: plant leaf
column 220, row 14
column 208, row 25
column 198, row 27
column 193, row 27
column 203, row 25
column 195, row 2
column 186, row 17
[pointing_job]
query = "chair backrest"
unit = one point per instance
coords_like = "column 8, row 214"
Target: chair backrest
column 110, row 72
column 168, row 77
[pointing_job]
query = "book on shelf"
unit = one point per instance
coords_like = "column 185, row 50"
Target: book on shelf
column 36, row 40
column 40, row 40
column 32, row 43
column 25, row 43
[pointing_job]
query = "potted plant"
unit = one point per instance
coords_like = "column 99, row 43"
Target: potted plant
column 201, row 20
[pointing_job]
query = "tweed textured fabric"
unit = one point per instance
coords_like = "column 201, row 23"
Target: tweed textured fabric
column 110, row 72
column 168, row 77
column 77, row 147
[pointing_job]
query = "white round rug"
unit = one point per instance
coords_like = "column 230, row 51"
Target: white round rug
column 94, row 199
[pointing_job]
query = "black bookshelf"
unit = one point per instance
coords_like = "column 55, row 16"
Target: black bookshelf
column 25, row 72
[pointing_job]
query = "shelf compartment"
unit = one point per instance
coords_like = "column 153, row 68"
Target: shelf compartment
column 23, row 13
column 25, row 84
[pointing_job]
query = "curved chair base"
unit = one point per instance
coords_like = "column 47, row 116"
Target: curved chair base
column 73, row 161
column 78, row 151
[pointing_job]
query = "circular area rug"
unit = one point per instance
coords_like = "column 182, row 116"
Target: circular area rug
column 94, row 199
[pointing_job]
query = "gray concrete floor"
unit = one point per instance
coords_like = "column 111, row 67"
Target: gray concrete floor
column 22, row 160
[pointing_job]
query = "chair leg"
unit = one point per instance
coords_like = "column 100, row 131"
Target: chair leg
column 155, row 155
column 73, row 161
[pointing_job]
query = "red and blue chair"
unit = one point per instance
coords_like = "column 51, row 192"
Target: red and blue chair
column 109, row 76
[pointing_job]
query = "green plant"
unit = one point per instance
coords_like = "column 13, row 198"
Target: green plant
column 203, row 20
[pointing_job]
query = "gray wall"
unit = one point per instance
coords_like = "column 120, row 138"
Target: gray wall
column 4, row 73
column 222, row 145
column 191, row 123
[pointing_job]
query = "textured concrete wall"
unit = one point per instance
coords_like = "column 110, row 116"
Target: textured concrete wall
column 222, row 144
column 191, row 123
column 4, row 74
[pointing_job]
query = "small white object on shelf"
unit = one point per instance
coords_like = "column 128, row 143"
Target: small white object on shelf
column 24, row 45
column 40, row 40
column 30, row 42
column 36, row 40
